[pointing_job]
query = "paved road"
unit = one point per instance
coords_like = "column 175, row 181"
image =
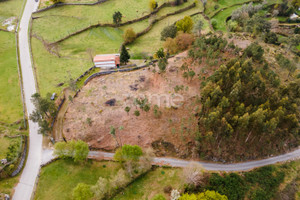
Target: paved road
column 24, row 188
column 244, row 166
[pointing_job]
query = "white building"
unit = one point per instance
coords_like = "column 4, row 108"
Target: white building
column 107, row 61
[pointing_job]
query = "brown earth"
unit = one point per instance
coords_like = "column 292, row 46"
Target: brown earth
column 171, row 134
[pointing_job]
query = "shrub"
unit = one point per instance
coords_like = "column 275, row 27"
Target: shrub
column 153, row 5
column 271, row 38
column 160, row 53
column 168, row 189
column 214, row 23
column 159, row 197
column 129, row 35
column 162, row 64
column 184, row 41
column 186, row 24
column 297, row 30
column 255, row 51
column 82, row 192
column 168, row 32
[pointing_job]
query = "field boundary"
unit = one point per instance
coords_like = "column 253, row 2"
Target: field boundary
column 127, row 22
column 69, row 4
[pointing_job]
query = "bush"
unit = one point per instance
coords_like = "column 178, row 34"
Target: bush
column 171, row 46
column 162, row 64
column 129, row 35
column 184, row 41
column 255, row 51
column 168, row 189
column 214, row 23
column 271, row 38
column 82, row 192
column 297, row 30
column 168, row 32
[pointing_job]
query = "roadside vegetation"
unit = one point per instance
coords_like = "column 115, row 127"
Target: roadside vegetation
column 66, row 179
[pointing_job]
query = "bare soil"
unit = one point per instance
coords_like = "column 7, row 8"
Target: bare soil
column 89, row 118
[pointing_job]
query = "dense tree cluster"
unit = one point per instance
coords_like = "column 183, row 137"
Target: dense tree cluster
column 244, row 100
column 77, row 150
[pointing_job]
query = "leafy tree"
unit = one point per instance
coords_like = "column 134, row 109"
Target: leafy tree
column 101, row 188
column 257, row 24
column 82, row 192
column 171, row 46
column 78, row 150
column 124, row 57
column 193, row 174
column 296, row 3
column 198, row 27
column 129, row 35
column 45, row 110
column 186, row 24
column 81, row 151
column 117, row 17
column 147, row 108
column 184, row 41
column 159, row 197
column 128, row 153
column 168, row 32
column 153, row 5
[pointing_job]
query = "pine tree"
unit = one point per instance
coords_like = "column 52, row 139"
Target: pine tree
column 124, row 57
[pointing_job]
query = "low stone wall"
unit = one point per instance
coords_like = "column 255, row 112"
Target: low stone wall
column 69, row 4
column 22, row 161
column 130, row 22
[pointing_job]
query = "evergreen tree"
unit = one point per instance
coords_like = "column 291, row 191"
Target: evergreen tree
column 124, row 57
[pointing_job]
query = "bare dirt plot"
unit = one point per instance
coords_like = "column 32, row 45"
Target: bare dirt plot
column 101, row 103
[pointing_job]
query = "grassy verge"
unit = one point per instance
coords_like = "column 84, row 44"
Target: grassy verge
column 59, row 178
column 10, row 101
column 7, row 185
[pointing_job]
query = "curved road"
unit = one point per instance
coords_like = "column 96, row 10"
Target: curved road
column 25, row 187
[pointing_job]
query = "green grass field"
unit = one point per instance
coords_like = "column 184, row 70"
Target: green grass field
column 222, row 16
column 59, row 178
column 68, row 19
column 52, row 70
column 7, row 185
column 10, row 101
column 9, row 9
column 156, row 180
